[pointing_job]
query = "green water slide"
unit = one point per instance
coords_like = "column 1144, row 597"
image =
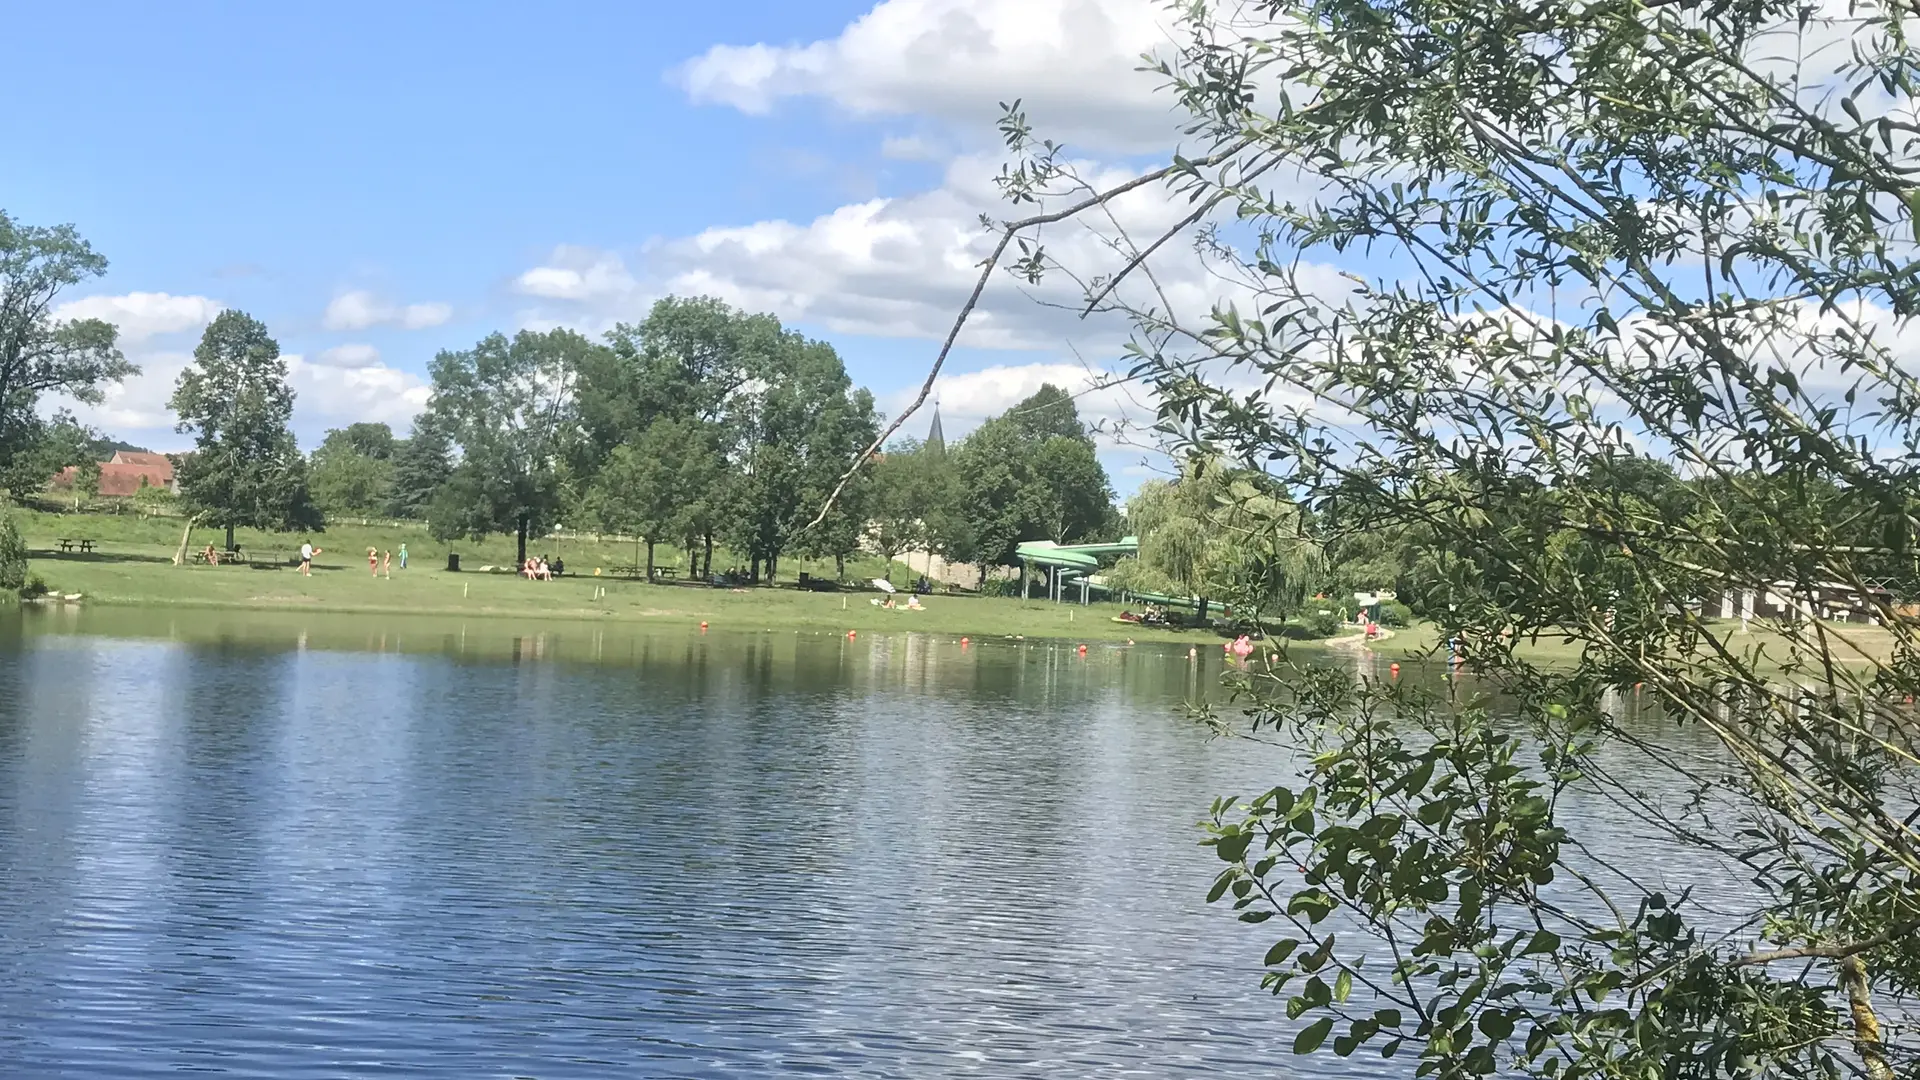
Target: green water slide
column 1066, row 562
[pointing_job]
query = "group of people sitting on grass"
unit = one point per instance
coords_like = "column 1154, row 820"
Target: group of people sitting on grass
column 1154, row 615
column 537, row 568
column 912, row 603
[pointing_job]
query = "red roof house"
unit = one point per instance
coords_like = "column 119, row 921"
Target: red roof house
column 121, row 477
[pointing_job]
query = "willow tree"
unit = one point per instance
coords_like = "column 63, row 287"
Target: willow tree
column 1221, row 533
column 1478, row 252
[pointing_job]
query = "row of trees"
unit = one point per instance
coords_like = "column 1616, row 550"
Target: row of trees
column 1029, row 474
column 696, row 427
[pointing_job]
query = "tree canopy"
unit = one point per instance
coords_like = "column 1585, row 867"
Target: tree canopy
column 1031, row 473
column 353, row 470
column 246, row 468
column 39, row 354
column 503, row 405
column 1483, row 259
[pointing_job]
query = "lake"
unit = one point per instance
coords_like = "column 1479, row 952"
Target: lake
column 328, row 846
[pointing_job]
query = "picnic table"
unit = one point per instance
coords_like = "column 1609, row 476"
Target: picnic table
column 627, row 571
column 232, row 556
column 666, row 571
column 76, row 544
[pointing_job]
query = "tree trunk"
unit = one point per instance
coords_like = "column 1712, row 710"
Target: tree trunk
column 753, row 570
column 706, row 563
column 649, row 560
column 229, row 536
column 773, row 567
column 840, row 567
column 522, row 531
column 180, row 557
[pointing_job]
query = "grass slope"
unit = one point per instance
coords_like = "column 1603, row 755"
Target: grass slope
column 134, row 566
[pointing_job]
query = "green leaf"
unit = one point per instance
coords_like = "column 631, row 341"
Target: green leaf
column 1545, row 941
column 1233, row 847
column 1314, row 1034
column 1343, row 986
column 1281, row 950
column 1220, row 886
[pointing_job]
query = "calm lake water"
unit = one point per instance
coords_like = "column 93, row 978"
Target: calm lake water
column 306, row 846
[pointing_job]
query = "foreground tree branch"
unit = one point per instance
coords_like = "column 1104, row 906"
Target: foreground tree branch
column 1009, row 232
column 1619, row 370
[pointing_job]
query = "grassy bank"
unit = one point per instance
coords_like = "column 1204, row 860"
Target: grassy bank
column 347, row 542
column 1422, row 641
column 133, row 566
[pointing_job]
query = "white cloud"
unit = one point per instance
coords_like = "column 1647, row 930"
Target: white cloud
column 968, row 398
column 142, row 315
column 360, row 309
column 1072, row 62
column 337, row 387
column 897, row 267
column 137, row 408
column 911, row 148
column 327, row 395
column 579, row 274
column 349, row 356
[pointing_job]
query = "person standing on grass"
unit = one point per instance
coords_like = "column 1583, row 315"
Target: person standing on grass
column 403, row 556
column 373, row 562
column 307, row 552
column 389, row 565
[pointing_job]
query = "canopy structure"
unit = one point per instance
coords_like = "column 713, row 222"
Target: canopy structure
column 1066, row 562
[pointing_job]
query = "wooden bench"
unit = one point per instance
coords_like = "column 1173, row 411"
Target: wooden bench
column 80, row 544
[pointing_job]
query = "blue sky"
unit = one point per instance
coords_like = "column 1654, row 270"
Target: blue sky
column 378, row 182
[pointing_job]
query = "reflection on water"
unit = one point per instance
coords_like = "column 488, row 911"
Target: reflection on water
column 312, row 846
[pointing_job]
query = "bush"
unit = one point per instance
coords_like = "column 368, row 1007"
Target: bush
column 13, row 555
column 35, row 587
column 1313, row 626
column 1004, row 587
column 1395, row 613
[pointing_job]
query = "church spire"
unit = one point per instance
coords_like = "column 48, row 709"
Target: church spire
column 936, row 443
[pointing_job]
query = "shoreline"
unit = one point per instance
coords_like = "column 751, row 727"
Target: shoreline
column 505, row 599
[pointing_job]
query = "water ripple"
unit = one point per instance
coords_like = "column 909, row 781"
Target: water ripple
column 706, row 860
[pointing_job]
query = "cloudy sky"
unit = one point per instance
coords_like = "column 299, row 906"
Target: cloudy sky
column 379, row 182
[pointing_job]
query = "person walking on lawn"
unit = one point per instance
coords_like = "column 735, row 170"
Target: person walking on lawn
column 307, row 552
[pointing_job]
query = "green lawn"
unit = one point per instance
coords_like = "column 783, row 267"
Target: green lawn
column 133, row 566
